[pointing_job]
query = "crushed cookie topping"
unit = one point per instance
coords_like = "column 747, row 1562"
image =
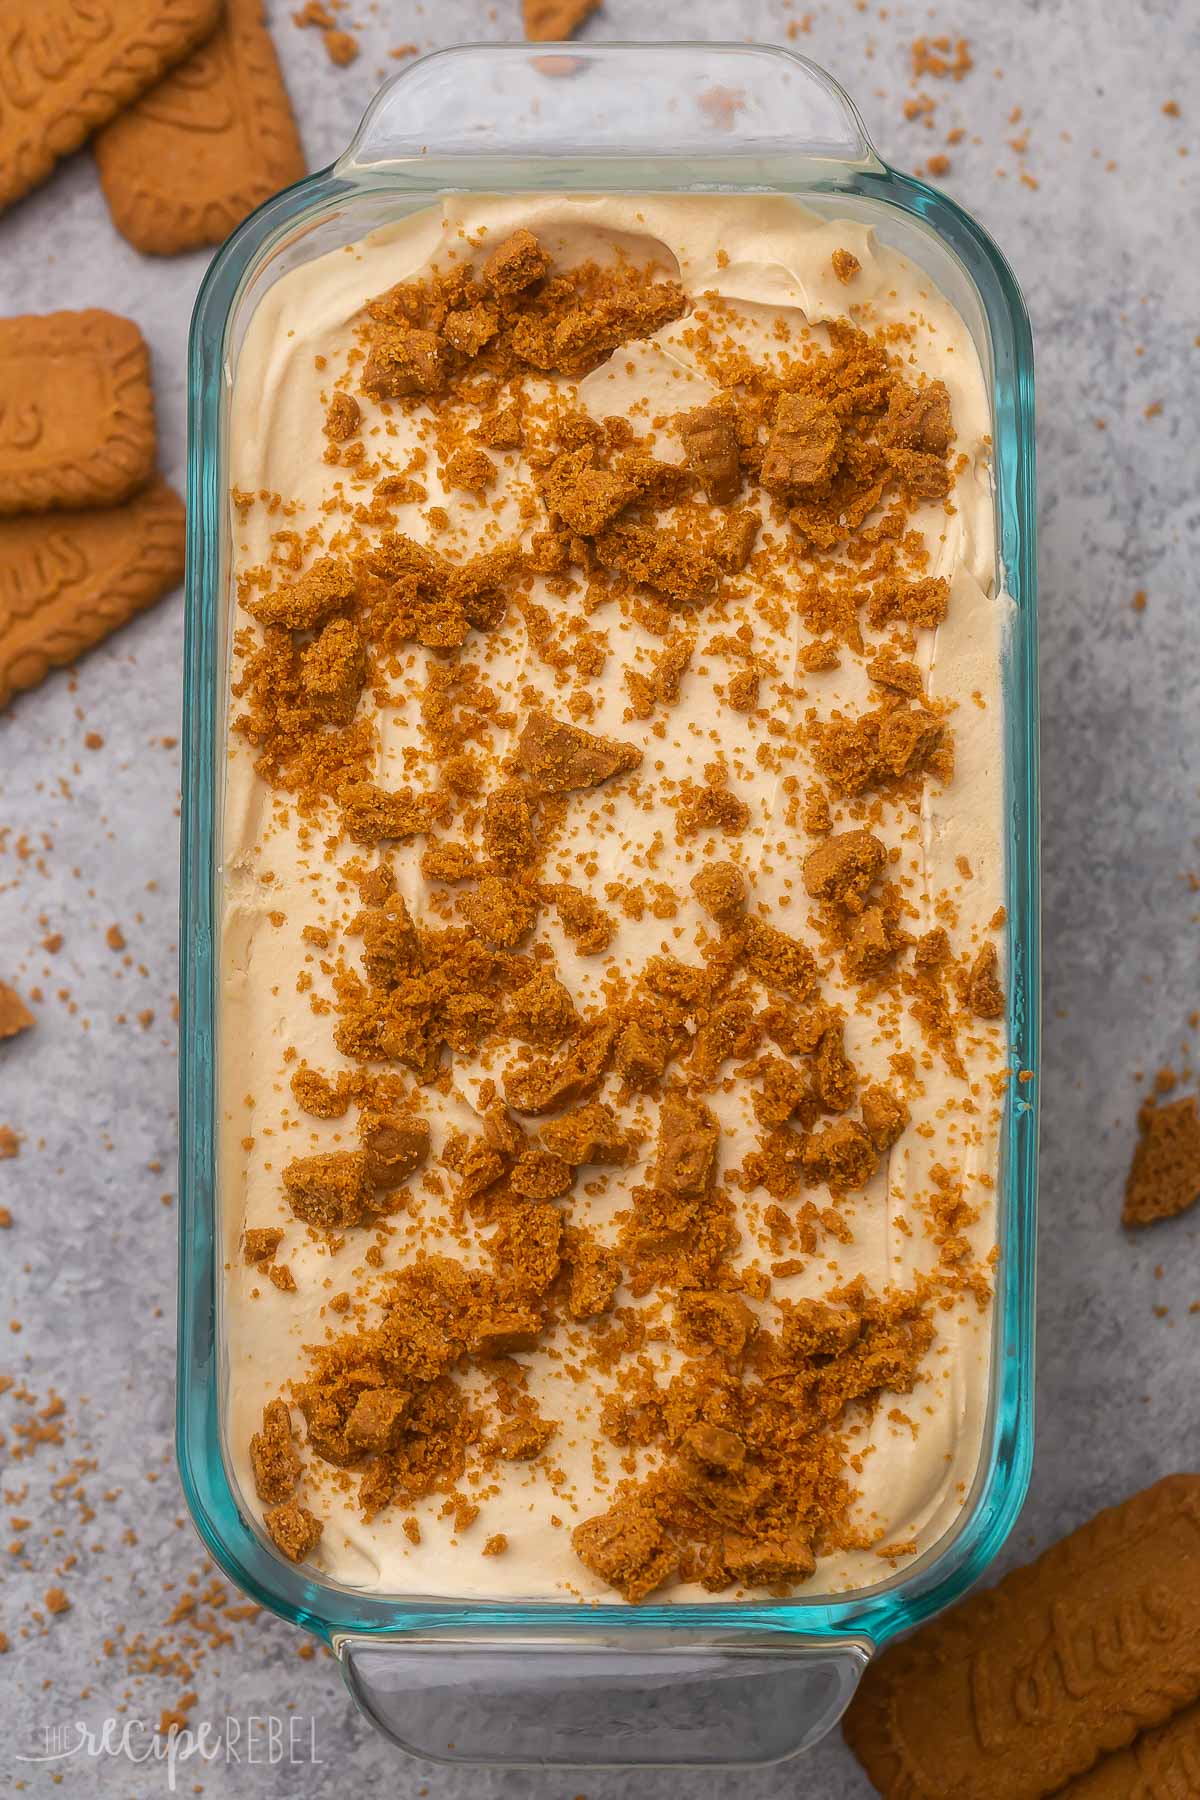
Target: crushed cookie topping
column 543, row 697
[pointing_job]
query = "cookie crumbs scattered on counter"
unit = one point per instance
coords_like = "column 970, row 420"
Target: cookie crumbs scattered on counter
column 1139, row 600
column 10, row 1143
column 937, row 165
column 56, row 1601
column 340, row 47
column 93, row 741
column 1171, row 108
column 941, row 57
column 114, row 937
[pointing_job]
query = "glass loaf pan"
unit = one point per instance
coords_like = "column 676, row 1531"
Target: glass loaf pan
column 552, row 1682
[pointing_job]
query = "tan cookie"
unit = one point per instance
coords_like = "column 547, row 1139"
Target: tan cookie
column 1020, row 1689
column 1163, row 1764
column 68, row 66
column 76, row 411
column 186, row 164
column 68, row 580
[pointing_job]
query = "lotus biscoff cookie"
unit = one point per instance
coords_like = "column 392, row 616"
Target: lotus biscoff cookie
column 1163, row 1764
column 186, row 164
column 1023, row 1688
column 68, row 66
column 69, row 579
column 76, row 411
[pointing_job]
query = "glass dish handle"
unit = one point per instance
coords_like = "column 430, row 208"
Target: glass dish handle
column 529, row 1704
column 541, row 115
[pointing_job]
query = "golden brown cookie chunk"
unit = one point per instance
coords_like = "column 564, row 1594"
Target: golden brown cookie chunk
column 553, row 21
column 260, row 1242
column 843, row 868
column 515, row 264
column 626, row 1547
column 711, row 448
column 68, row 66
column 295, row 1530
column 332, row 1190
column 273, row 1455
column 803, row 447
column 1164, row 1177
column 1021, row 1688
column 76, row 411
column 985, row 991
column 561, row 757
column 69, row 580
column 15, row 1016
column 206, row 146
column 721, row 890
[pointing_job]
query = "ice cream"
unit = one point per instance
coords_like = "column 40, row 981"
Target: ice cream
column 647, row 733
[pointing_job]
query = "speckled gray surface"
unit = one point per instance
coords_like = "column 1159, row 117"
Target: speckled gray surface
column 88, row 838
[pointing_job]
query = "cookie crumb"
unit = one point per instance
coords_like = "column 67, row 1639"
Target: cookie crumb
column 554, row 21
column 15, row 1016
column 1164, row 1176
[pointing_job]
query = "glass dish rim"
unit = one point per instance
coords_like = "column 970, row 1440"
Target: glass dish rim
column 335, row 1612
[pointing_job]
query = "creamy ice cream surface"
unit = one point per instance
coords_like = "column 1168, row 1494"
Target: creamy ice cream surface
column 611, row 1050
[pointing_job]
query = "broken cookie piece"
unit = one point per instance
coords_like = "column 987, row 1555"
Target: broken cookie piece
column 515, row 264
column 627, row 1548
column 710, row 446
column 844, row 867
column 396, row 1146
column 403, row 362
column 721, row 889
column 273, row 1456
column 1164, row 1176
column 562, row 758
column 295, row 1530
column 331, row 1191
column 803, row 447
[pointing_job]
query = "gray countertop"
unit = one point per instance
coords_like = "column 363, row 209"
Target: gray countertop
column 1103, row 239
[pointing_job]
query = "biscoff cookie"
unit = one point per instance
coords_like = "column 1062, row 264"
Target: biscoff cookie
column 76, row 411
column 68, row 66
column 68, row 580
column 210, row 143
column 1163, row 1764
column 1021, row 1689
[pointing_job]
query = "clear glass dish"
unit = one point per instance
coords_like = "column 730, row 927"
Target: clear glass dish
column 551, row 1682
